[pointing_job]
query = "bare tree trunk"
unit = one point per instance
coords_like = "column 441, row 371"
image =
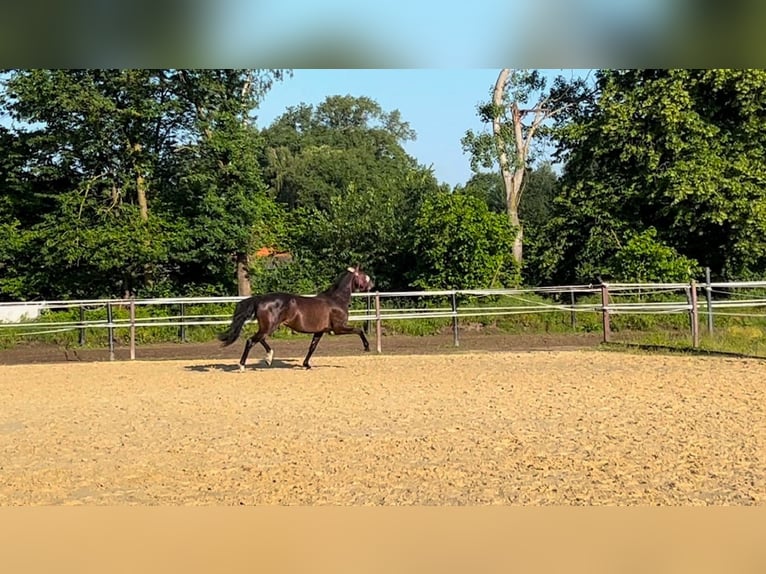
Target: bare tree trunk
column 512, row 175
column 143, row 202
column 518, row 240
column 143, row 205
column 115, row 194
column 522, row 148
column 243, row 276
column 141, row 187
column 514, row 171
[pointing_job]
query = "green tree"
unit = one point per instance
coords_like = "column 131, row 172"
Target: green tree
column 460, row 244
column 93, row 140
column 344, row 143
column 99, row 197
column 487, row 186
column 220, row 190
column 679, row 151
column 518, row 112
column 351, row 190
column 14, row 213
column 643, row 258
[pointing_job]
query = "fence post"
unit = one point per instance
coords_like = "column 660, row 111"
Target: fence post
column 82, row 326
column 132, row 306
column 182, row 327
column 110, row 330
column 605, row 312
column 455, row 329
column 572, row 314
column 694, row 314
column 368, row 306
column 709, row 297
column 378, row 326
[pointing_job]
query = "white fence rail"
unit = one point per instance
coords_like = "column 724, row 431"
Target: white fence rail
column 717, row 298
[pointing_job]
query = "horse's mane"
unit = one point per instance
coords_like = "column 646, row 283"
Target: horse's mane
column 340, row 283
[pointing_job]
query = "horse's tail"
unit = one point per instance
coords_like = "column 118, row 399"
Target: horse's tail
column 244, row 310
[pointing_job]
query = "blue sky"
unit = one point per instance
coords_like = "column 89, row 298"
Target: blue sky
column 439, row 104
column 432, row 33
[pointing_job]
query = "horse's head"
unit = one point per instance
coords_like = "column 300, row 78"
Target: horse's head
column 360, row 281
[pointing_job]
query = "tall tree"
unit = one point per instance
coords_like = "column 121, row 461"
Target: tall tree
column 350, row 187
column 517, row 112
column 221, row 189
column 94, row 140
column 664, row 162
column 105, row 154
column 343, row 143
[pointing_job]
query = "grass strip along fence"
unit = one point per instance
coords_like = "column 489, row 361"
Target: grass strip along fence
column 667, row 314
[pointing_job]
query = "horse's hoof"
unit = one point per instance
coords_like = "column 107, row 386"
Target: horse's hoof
column 241, row 368
column 306, row 366
column 366, row 349
column 269, row 357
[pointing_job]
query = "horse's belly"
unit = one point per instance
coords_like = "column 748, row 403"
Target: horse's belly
column 307, row 315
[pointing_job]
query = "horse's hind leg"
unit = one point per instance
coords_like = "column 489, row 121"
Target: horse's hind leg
column 365, row 342
column 347, row 330
column 257, row 338
column 269, row 351
column 312, row 348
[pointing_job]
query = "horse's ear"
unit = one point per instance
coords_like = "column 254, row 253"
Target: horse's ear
column 350, row 269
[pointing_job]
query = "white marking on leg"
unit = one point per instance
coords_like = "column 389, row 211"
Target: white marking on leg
column 241, row 368
column 269, row 357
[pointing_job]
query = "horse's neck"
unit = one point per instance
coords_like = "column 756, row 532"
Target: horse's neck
column 340, row 290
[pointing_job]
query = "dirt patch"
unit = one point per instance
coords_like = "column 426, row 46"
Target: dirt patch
column 573, row 428
column 296, row 347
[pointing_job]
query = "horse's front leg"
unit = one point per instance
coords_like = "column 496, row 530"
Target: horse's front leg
column 348, row 330
column 312, row 348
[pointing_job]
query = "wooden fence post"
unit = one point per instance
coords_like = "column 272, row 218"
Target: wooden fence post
column 378, row 326
column 605, row 312
column 132, row 306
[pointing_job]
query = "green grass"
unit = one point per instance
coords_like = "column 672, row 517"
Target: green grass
column 745, row 343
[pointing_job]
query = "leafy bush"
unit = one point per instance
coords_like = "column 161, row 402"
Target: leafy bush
column 644, row 258
column 461, row 244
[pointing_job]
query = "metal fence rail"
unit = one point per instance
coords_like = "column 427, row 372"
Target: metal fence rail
column 605, row 299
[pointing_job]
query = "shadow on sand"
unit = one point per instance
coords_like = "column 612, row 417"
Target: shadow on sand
column 260, row 366
column 671, row 350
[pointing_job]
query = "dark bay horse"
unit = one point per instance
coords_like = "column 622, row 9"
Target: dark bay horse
column 326, row 312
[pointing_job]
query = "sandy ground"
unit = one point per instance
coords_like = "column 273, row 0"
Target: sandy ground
column 561, row 427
